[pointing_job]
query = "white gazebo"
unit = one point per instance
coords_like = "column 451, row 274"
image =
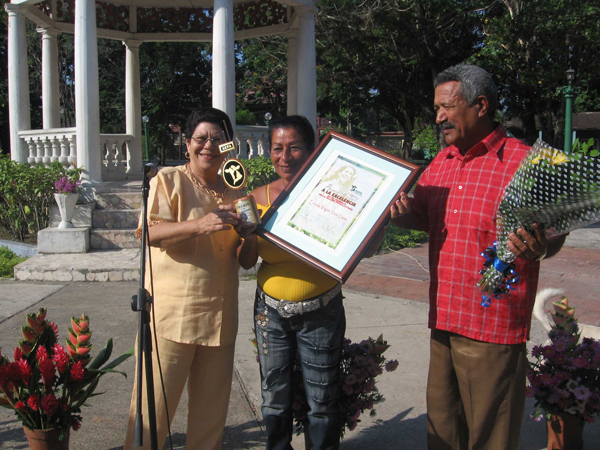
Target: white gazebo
column 107, row 157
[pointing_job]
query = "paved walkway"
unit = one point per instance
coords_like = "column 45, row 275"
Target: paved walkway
column 405, row 274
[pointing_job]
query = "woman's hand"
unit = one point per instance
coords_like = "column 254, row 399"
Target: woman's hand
column 243, row 230
column 222, row 218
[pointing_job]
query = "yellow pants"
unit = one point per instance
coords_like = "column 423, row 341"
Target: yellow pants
column 475, row 393
column 208, row 371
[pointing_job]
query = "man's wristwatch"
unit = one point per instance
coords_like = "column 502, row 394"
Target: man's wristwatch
column 542, row 256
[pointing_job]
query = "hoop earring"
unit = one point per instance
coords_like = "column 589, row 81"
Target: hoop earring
column 187, row 155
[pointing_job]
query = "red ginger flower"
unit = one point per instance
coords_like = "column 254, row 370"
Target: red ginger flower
column 77, row 372
column 18, row 354
column 61, row 358
column 41, row 353
column 34, row 402
column 48, row 371
column 25, row 369
column 49, row 404
column 76, row 423
column 13, row 372
column 20, row 405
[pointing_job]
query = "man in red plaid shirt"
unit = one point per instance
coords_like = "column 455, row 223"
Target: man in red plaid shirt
column 476, row 384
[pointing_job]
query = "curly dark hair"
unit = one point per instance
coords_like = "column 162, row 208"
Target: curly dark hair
column 210, row 115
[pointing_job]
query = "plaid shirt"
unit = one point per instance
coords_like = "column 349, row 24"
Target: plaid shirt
column 457, row 199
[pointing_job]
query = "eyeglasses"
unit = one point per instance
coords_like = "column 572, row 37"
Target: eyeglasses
column 202, row 140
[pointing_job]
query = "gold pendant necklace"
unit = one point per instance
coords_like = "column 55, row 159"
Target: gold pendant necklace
column 206, row 190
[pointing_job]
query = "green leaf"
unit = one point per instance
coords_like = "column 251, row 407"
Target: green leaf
column 102, row 356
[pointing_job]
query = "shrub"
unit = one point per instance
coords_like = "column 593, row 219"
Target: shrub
column 8, row 260
column 26, row 193
column 260, row 172
column 398, row 238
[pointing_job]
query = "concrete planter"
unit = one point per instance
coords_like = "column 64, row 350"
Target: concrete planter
column 66, row 205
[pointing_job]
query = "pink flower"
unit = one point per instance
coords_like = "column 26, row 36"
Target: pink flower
column 350, row 379
column 347, row 389
column 529, row 392
column 76, row 423
column 391, row 365
column 41, row 353
column 351, row 425
column 582, row 393
column 49, row 404
column 580, row 363
column 536, row 351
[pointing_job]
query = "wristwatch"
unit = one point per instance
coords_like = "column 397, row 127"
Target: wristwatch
column 542, row 256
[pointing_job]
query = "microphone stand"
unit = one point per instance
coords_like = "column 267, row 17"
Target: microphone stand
column 142, row 303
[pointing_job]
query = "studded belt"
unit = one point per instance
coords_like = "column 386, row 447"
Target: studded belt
column 287, row 309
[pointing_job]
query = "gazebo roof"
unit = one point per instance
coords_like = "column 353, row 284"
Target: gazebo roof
column 181, row 20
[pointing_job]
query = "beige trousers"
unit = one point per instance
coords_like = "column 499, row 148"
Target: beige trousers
column 208, row 371
column 475, row 393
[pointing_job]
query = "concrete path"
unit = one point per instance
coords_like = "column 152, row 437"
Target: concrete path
column 400, row 422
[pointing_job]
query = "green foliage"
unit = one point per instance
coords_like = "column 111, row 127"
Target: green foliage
column 26, row 193
column 260, row 172
column 398, row 238
column 585, row 148
column 528, row 46
column 245, row 117
column 426, row 140
column 8, row 260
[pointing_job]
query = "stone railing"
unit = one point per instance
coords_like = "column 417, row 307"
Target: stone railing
column 115, row 156
column 48, row 146
column 252, row 141
column 60, row 144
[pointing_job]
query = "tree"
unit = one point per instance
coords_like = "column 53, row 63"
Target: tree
column 528, row 46
column 384, row 54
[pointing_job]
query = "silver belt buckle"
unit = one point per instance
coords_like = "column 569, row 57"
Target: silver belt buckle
column 287, row 309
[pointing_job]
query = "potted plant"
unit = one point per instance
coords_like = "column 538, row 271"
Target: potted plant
column 564, row 379
column 66, row 194
column 361, row 363
column 47, row 384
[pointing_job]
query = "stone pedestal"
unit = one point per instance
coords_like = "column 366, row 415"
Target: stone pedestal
column 65, row 240
column 81, row 218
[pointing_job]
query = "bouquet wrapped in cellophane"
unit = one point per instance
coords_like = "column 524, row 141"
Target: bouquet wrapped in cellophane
column 558, row 191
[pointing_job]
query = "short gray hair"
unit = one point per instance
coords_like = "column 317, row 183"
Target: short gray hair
column 474, row 81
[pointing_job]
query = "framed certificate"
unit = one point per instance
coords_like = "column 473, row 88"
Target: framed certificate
column 331, row 211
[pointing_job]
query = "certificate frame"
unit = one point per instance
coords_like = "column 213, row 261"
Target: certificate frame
column 332, row 210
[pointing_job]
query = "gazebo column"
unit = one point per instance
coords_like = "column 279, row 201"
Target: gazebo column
column 50, row 88
column 133, row 108
column 223, row 76
column 307, row 65
column 292, row 75
column 87, row 103
column 18, row 83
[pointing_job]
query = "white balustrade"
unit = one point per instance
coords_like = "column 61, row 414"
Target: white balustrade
column 115, row 156
column 50, row 145
column 252, row 141
column 60, row 145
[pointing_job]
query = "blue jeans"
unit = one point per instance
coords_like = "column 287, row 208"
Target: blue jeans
column 317, row 336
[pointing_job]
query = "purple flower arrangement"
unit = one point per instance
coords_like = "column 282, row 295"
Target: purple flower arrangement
column 565, row 377
column 361, row 363
column 66, row 185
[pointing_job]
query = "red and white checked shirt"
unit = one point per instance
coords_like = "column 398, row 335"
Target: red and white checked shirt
column 457, row 199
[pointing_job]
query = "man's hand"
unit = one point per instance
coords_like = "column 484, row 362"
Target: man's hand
column 401, row 206
column 529, row 246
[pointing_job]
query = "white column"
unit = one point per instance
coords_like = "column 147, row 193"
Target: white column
column 223, row 77
column 292, row 75
column 18, row 83
column 87, row 103
column 50, row 88
column 133, row 107
column 307, row 65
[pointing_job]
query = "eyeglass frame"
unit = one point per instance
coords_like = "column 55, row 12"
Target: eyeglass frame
column 203, row 140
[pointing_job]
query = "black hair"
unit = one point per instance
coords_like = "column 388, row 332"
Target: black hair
column 298, row 123
column 210, row 115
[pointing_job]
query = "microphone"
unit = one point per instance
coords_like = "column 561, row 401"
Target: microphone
column 149, row 169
